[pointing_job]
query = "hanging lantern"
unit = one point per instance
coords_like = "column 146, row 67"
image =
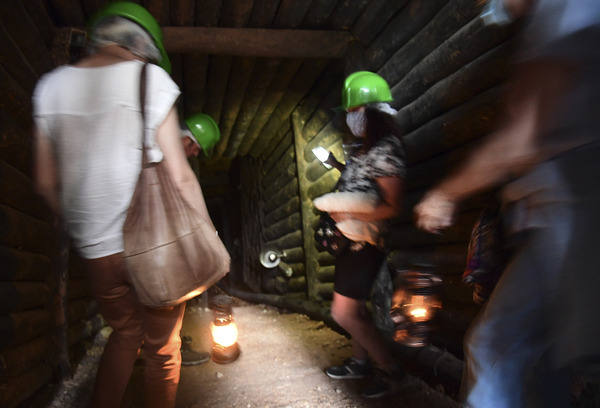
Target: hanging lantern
column 414, row 304
column 224, row 331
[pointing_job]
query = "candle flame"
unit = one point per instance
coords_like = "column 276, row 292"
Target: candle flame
column 419, row 312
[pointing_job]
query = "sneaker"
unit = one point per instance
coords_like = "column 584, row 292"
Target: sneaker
column 350, row 370
column 382, row 384
column 190, row 357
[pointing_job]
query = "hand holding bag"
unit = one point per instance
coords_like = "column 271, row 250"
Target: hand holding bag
column 172, row 251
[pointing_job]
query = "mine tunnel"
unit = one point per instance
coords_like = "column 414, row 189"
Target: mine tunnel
column 270, row 73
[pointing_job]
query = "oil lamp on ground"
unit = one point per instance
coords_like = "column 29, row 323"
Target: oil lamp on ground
column 414, row 304
column 224, row 331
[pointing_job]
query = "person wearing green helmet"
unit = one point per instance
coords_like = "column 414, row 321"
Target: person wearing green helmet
column 375, row 168
column 87, row 146
column 201, row 133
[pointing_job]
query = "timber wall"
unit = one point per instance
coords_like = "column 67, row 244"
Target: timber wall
column 46, row 313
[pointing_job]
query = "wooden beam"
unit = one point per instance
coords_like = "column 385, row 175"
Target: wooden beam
column 257, row 42
column 401, row 29
column 450, row 19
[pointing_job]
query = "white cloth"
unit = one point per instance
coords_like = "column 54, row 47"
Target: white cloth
column 92, row 118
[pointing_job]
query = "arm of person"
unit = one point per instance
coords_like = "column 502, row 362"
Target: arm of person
column 391, row 197
column 509, row 151
column 45, row 170
column 169, row 141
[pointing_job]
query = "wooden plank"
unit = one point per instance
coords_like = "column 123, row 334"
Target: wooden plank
column 416, row 14
column 91, row 7
column 319, row 13
column 195, row 68
column 38, row 12
column 15, row 102
column 67, row 13
column 450, row 19
column 17, row 360
column 278, row 152
column 22, row 231
column 283, row 227
column 250, row 203
column 159, row 9
column 20, row 388
column 22, row 266
column 291, row 13
column 16, row 191
column 284, row 210
column 265, row 69
column 282, row 196
column 19, row 296
column 183, row 12
column 374, row 19
column 290, row 240
column 263, row 13
column 463, row 124
column 306, row 207
column 479, row 75
column 447, row 58
column 273, row 96
column 218, row 74
column 257, row 42
column 18, row 328
column 296, row 90
column 346, row 14
column 235, row 13
column 242, row 71
column 281, row 134
column 16, row 63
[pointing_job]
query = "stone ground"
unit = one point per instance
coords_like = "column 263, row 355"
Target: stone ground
column 281, row 365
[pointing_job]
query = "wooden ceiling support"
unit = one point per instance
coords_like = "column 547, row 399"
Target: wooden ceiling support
column 257, row 42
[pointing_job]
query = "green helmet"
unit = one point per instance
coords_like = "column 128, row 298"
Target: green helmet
column 205, row 131
column 363, row 87
column 141, row 16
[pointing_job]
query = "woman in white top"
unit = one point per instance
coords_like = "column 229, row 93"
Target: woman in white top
column 87, row 154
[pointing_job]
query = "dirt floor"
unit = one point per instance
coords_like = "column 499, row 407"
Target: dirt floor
column 281, row 365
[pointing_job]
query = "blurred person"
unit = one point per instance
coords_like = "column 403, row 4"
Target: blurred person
column 200, row 134
column 377, row 167
column 87, row 135
column 540, row 325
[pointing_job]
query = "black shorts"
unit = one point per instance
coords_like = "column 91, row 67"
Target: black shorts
column 355, row 272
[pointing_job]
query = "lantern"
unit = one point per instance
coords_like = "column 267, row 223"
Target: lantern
column 414, row 304
column 224, row 331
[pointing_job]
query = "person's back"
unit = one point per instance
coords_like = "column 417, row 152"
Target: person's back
column 92, row 115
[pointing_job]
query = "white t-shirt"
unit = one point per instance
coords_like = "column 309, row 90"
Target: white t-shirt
column 92, row 118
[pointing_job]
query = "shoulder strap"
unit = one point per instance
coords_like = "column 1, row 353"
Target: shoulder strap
column 143, row 75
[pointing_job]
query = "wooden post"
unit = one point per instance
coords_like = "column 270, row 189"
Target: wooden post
column 310, row 251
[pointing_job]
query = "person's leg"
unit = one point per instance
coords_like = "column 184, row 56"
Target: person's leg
column 352, row 316
column 122, row 311
column 516, row 328
column 163, row 359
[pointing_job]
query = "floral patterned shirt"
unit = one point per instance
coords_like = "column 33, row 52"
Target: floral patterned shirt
column 385, row 159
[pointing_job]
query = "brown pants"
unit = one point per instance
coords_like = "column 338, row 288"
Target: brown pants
column 134, row 324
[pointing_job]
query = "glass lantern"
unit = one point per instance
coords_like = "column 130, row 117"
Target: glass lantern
column 225, row 348
column 414, row 304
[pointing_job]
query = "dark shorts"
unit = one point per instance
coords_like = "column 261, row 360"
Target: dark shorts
column 355, row 272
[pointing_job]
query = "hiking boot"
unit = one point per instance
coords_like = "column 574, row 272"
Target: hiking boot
column 350, row 370
column 190, row 357
column 383, row 383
